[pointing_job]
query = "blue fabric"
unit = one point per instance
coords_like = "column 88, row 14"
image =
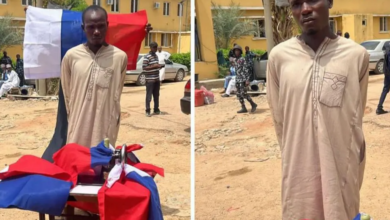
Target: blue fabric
column 71, row 32
column 155, row 212
column 357, row 217
column 100, row 155
column 35, row 193
column 227, row 80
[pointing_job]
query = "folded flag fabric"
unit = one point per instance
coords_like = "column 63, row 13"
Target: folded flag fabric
column 50, row 33
column 34, row 184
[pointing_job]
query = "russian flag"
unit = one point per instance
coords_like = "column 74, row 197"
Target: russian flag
column 36, row 185
column 50, row 33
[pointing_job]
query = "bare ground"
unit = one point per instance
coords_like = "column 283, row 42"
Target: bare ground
column 27, row 127
column 238, row 166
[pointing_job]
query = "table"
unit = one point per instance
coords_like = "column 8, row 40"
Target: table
column 82, row 193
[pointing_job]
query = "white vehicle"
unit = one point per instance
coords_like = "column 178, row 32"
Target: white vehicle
column 376, row 50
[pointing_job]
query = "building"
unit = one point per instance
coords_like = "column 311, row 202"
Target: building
column 168, row 18
column 362, row 19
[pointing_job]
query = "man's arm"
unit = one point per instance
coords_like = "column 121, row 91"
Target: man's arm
column 167, row 55
column 273, row 98
column 146, row 66
column 363, row 80
column 65, row 80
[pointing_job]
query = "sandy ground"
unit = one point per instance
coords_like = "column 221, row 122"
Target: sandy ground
column 27, row 127
column 231, row 183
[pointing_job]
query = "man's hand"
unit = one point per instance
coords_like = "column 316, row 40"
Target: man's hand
column 156, row 65
column 148, row 28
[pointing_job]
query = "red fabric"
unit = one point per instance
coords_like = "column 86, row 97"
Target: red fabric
column 127, row 31
column 35, row 166
column 150, row 169
column 125, row 200
column 131, row 148
column 74, row 159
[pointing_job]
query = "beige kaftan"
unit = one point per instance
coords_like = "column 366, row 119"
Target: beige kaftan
column 317, row 100
column 92, row 86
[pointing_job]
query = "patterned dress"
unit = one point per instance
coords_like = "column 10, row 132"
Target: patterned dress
column 20, row 70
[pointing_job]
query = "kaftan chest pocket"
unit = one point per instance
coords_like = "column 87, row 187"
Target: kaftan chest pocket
column 332, row 89
column 104, row 76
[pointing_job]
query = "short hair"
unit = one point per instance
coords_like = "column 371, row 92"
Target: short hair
column 153, row 44
column 94, row 8
column 234, row 44
column 17, row 54
column 346, row 35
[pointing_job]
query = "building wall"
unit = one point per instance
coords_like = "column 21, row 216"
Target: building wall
column 208, row 66
column 168, row 24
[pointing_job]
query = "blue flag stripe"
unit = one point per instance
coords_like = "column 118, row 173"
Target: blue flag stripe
column 71, row 32
column 35, row 193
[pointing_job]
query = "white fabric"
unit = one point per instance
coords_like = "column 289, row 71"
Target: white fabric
column 232, row 86
column 114, row 174
column 129, row 168
column 42, row 43
column 162, row 74
column 162, row 56
column 13, row 81
column 8, row 66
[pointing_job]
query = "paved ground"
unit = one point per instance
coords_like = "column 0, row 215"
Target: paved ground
column 232, row 183
column 27, row 127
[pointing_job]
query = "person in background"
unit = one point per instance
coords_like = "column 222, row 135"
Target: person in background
column 242, row 80
column 228, row 79
column 19, row 69
column 3, row 72
column 386, row 83
column 151, row 68
column 317, row 93
column 346, row 35
column 249, row 56
column 6, row 59
column 162, row 56
column 339, row 33
column 13, row 81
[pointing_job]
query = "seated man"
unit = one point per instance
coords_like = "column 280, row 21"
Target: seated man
column 232, row 72
column 13, row 81
column 231, row 87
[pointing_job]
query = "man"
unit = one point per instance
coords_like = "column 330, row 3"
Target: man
column 162, row 56
column 232, row 73
column 6, row 59
column 13, row 81
column 386, row 83
column 92, row 78
column 242, row 80
column 339, row 33
column 249, row 56
column 19, row 69
column 151, row 68
column 317, row 90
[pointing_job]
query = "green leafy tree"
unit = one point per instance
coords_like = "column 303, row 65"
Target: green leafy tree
column 10, row 35
column 229, row 25
column 283, row 24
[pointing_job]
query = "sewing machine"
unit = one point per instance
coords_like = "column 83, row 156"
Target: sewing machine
column 89, row 184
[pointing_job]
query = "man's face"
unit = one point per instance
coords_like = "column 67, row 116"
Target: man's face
column 5, row 53
column 237, row 52
column 17, row 57
column 159, row 49
column 8, row 69
column 153, row 49
column 246, row 49
column 311, row 15
column 95, row 27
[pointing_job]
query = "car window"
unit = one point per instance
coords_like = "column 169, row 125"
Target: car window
column 370, row 45
column 139, row 57
column 387, row 42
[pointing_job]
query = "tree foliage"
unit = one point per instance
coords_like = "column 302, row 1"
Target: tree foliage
column 74, row 5
column 9, row 33
column 229, row 25
column 283, row 24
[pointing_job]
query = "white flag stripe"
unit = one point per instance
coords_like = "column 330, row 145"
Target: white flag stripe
column 129, row 168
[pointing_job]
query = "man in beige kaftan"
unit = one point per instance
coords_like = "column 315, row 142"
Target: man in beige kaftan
column 317, row 88
column 92, row 86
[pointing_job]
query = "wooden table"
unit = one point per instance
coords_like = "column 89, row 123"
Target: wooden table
column 81, row 193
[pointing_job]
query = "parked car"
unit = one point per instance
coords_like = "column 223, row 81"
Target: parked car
column 260, row 67
column 376, row 50
column 173, row 71
column 185, row 102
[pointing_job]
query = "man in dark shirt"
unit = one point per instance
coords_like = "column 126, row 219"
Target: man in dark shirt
column 19, row 69
column 231, row 52
column 6, row 59
column 151, row 69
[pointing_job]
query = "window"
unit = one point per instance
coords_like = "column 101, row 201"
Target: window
column 149, row 39
column 96, row 2
column 384, row 45
column 332, row 24
column 166, row 8
column 383, row 24
column 198, row 56
column 24, row 2
column 3, row 2
column 115, row 6
column 180, row 10
column 364, row 22
column 370, row 45
column 134, row 6
column 166, row 40
column 260, row 30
